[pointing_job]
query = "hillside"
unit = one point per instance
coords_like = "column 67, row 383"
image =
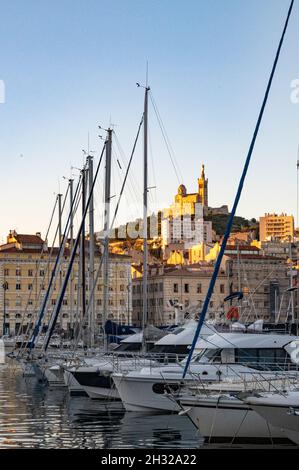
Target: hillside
column 220, row 222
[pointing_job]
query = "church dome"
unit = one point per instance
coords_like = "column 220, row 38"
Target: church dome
column 182, row 191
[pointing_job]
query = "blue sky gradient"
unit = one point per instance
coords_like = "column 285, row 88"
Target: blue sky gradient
column 70, row 65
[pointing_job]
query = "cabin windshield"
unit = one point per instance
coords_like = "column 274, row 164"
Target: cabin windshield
column 128, row 347
column 208, row 355
column 264, row 358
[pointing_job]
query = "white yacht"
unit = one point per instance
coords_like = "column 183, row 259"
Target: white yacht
column 219, row 356
column 97, row 379
column 281, row 410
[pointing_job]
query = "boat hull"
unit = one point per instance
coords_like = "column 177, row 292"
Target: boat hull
column 223, row 418
column 138, row 394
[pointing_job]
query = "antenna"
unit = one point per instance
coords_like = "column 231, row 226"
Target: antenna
column 146, row 76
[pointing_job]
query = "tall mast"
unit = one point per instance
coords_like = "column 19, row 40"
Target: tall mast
column 91, row 314
column 71, row 185
column 59, row 196
column 106, row 233
column 82, row 250
column 145, row 205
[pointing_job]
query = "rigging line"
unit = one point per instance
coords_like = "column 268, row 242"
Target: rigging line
column 75, row 205
column 134, row 183
column 37, row 269
column 43, row 310
column 72, row 257
column 255, row 290
column 109, row 229
column 167, row 142
column 44, row 276
column 239, row 191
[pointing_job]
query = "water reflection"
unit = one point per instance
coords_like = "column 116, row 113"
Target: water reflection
column 32, row 415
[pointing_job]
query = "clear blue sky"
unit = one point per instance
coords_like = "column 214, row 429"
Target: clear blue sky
column 70, row 65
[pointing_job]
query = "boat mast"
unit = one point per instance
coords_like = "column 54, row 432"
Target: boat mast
column 91, row 316
column 82, row 250
column 145, row 209
column 106, row 233
column 71, row 184
column 59, row 197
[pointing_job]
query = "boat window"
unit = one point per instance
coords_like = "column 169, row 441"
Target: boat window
column 128, row 347
column 246, row 355
column 164, row 388
column 170, row 349
column 268, row 358
column 209, row 355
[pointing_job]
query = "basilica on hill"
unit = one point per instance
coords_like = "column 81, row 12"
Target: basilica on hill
column 189, row 203
column 185, row 200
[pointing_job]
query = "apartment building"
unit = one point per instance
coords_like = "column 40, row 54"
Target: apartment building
column 276, row 227
column 26, row 264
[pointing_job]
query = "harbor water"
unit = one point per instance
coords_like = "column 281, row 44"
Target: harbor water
column 34, row 416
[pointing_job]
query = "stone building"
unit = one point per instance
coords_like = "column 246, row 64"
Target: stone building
column 263, row 280
column 184, row 285
column 277, row 227
column 26, row 263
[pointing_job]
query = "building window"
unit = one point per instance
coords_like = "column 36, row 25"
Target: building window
column 121, row 302
column 18, row 272
column 6, row 272
column 18, row 286
column 186, row 288
column 30, row 273
column 175, row 288
column 99, row 301
column 221, row 288
column 121, row 287
column 64, row 302
column 161, row 286
column 198, row 289
column 42, row 273
column 53, row 301
column 30, row 286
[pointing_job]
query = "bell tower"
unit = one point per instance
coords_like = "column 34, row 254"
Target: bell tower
column 203, row 188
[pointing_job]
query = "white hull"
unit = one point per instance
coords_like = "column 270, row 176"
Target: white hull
column 101, row 393
column 54, row 377
column 281, row 411
column 73, row 385
column 228, row 418
column 137, row 394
